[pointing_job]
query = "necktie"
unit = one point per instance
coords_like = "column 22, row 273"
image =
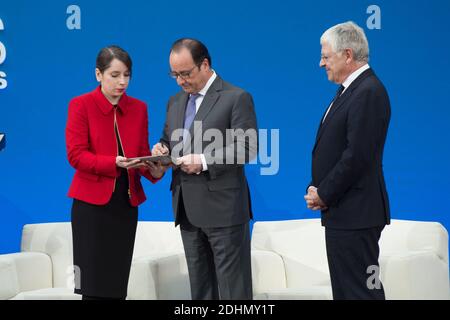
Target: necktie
column 189, row 114
column 338, row 93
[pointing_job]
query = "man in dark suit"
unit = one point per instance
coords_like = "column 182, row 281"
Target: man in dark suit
column 210, row 195
column 347, row 172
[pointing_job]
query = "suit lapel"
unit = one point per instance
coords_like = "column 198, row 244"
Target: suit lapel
column 181, row 110
column 339, row 103
column 208, row 103
column 336, row 105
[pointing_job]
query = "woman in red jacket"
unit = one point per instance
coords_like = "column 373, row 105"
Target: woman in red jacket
column 104, row 128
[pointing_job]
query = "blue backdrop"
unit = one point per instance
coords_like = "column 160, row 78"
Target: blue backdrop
column 269, row 48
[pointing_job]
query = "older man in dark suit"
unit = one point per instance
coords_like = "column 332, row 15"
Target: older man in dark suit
column 347, row 172
column 210, row 195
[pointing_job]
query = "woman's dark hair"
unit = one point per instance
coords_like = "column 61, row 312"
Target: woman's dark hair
column 198, row 50
column 108, row 54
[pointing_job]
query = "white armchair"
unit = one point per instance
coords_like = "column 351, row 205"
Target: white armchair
column 43, row 269
column 288, row 262
column 413, row 260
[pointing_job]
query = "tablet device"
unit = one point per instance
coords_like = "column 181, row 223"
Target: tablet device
column 164, row 159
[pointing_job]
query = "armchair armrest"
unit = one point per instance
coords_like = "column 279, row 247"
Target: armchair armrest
column 171, row 277
column 415, row 275
column 141, row 283
column 161, row 277
column 268, row 271
column 24, row 271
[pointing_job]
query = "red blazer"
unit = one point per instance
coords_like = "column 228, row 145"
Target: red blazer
column 92, row 147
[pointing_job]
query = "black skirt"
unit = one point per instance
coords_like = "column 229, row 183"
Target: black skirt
column 103, row 242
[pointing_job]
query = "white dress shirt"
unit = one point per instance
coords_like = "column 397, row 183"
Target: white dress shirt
column 205, row 89
column 198, row 102
column 352, row 77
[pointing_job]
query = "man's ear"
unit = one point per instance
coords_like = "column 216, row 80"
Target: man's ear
column 348, row 55
column 206, row 63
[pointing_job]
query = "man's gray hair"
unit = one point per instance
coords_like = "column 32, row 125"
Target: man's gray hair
column 348, row 35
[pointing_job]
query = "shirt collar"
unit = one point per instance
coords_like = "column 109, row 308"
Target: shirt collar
column 208, row 84
column 354, row 75
column 106, row 106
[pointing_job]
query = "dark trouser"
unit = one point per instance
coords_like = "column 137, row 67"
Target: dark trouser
column 218, row 261
column 353, row 263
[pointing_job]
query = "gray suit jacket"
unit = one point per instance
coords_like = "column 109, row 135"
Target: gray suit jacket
column 218, row 197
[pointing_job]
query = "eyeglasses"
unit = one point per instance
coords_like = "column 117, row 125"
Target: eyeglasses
column 183, row 74
column 326, row 57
